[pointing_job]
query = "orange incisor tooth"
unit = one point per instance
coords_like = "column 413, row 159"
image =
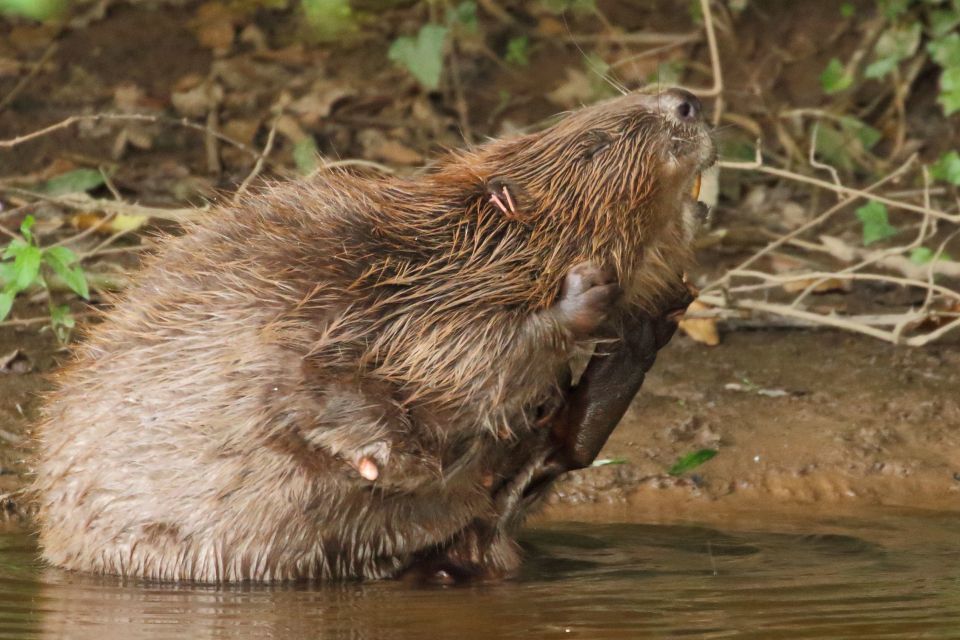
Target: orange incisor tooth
column 695, row 189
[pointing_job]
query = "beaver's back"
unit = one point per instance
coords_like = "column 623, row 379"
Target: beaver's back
column 170, row 448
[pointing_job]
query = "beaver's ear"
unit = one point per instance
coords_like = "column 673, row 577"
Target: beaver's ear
column 505, row 197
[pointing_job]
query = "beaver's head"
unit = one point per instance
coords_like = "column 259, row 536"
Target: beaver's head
column 617, row 181
column 635, row 159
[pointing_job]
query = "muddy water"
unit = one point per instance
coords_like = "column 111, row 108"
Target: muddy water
column 890, row 576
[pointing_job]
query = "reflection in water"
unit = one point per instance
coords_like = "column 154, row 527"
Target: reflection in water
column 580, row 581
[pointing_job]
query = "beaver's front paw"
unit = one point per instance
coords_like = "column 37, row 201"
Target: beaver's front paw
column 588, row 294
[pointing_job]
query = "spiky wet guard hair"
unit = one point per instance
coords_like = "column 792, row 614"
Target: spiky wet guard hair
column 438, row 278
column 204, row 430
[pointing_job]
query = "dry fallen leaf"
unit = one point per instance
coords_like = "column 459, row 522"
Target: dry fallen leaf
column 9, row 68
column 377, row 147
column 214, row 26
column 318, row 104
column 128, row 97
column 787, row 265
column 119, row 223
column 198, row 101
column 702, row 330
column 577, row 89
column 828, row 285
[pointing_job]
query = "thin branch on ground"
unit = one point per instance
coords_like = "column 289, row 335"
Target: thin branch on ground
column 84, row 202
column 258, row 166
column 635, row 37
column 934, row 318
column 126, row 117
column 759, row 167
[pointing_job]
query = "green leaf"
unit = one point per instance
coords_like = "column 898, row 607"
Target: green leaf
column 33, row 9
column 517, row 51
column 943, row 21
column 695, row 9
column 667, row 73
column 847, row 10
column 464, row 14
column 63, row 322
column 945, row 51
column 76, row 181
column 841, row 142
column 423, row 56
column 923, row 255
column 876, row 224
column 835, row 78
column 61, row 316
column 6, row 274
column 14, row 248
column 305, row 155
column 328, row 19
column 949, row 97
column 26, row 268
column 893, row 8
column 691, row 461
column 25, row 228
column 6, row 303
column 60, row 260
column 596, row 69
column 578, row 6
column 947, row 168
column 831, row 145
column 62, row 255
column 867, row 136
column 894, row 45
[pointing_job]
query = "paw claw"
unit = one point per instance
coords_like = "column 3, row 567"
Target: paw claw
column 367, row 468
column 501, row 195
column 370, row 460
column 506, row 194
column 496, row 201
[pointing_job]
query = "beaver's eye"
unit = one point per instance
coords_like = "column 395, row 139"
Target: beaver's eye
column 594, row 142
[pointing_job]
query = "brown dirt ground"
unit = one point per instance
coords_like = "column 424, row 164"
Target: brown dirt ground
column 862, row 423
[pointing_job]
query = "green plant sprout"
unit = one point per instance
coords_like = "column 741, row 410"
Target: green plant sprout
column 22, row 266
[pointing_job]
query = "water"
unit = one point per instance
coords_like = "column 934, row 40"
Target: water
column 895, row 577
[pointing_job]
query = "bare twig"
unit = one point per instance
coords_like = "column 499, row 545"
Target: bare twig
column 841, row 189
column 211, row 142
column 27, row 322
column 879, row 256
column 813, row 223
column 124, row 117
column 716, row 91
column 777, row 280
column 636, row 37
column 84, row 202
column 835, row 321
column 258, row 167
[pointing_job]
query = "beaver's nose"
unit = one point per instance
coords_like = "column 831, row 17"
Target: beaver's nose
column 685, row 106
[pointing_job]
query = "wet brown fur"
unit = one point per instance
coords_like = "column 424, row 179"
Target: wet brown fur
column 202, row 430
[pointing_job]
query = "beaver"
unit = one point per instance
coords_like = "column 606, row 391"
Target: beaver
column 351, row 376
